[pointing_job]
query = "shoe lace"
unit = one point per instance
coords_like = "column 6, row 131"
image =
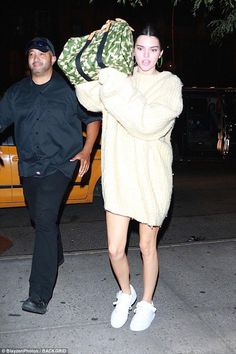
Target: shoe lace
column 140, row 306
column 121, row 301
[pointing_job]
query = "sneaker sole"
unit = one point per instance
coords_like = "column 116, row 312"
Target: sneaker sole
column 30, row 309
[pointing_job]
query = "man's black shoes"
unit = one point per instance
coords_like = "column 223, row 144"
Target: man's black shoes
column 38, row 306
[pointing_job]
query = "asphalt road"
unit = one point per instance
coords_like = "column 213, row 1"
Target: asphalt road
column 203, row 209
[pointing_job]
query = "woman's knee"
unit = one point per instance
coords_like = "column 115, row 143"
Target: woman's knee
column 116, row 252
column 147, row 248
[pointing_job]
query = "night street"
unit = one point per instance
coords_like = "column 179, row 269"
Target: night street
column 203, row 209
column 195, row 296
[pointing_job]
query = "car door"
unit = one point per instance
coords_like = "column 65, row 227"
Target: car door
column 17, row 190
column 5, row 171
column 11, row 192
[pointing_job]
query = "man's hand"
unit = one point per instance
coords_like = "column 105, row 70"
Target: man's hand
column 84, row 157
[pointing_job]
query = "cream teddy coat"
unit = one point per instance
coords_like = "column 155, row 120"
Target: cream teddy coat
column 138, row 116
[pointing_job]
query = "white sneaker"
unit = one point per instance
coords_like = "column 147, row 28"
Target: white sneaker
column 144, row 315
column 123, row 305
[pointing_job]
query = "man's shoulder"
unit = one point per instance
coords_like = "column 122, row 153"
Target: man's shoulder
column 61, row 85
column 60, row 80
column 17, row 86
column 22, row 82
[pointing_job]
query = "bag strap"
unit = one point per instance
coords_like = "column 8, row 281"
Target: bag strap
column 100, row 51
column 103, row 41
column 78, row 57
column 106, row 29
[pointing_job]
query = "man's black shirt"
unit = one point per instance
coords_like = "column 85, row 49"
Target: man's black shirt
column 47, row 125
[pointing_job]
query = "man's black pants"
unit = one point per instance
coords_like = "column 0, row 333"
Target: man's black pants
column 44, row 196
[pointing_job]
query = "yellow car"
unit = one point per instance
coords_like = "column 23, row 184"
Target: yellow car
column 11, row 192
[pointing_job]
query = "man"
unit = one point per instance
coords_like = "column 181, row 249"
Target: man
column 47, row 120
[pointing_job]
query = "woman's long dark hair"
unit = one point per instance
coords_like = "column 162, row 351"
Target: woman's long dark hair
column 149, row 30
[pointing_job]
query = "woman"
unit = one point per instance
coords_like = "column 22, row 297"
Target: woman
column 138, row 116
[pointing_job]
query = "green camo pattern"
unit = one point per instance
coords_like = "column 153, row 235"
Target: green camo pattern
column 117, row 52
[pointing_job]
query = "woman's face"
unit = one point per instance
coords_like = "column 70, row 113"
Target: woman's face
column 147, row 51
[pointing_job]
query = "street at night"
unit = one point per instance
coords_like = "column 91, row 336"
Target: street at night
column 203, row 209
column 196, row 288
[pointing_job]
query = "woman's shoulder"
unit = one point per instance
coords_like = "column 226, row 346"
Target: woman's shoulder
column 167, row 75
column 169, row 80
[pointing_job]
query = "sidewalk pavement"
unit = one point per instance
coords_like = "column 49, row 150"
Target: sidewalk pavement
column 195, row 300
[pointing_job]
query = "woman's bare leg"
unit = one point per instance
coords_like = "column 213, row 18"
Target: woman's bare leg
column 148, row 247
column 117, row 229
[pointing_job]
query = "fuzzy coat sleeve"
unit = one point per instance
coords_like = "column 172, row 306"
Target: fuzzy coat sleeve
column 140, row 117
column 88, row 95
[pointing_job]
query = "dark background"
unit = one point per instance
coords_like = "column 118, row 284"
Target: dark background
column 188, row 51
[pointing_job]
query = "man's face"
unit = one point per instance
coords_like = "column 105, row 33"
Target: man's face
column 40, row 62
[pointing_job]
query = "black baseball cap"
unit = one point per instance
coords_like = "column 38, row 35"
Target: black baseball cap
column 41, row 43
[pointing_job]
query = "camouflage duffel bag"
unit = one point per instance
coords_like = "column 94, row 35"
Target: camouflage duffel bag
column 111, row 46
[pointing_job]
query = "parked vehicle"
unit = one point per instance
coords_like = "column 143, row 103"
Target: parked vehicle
column 207, row 125
column 11, row 192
